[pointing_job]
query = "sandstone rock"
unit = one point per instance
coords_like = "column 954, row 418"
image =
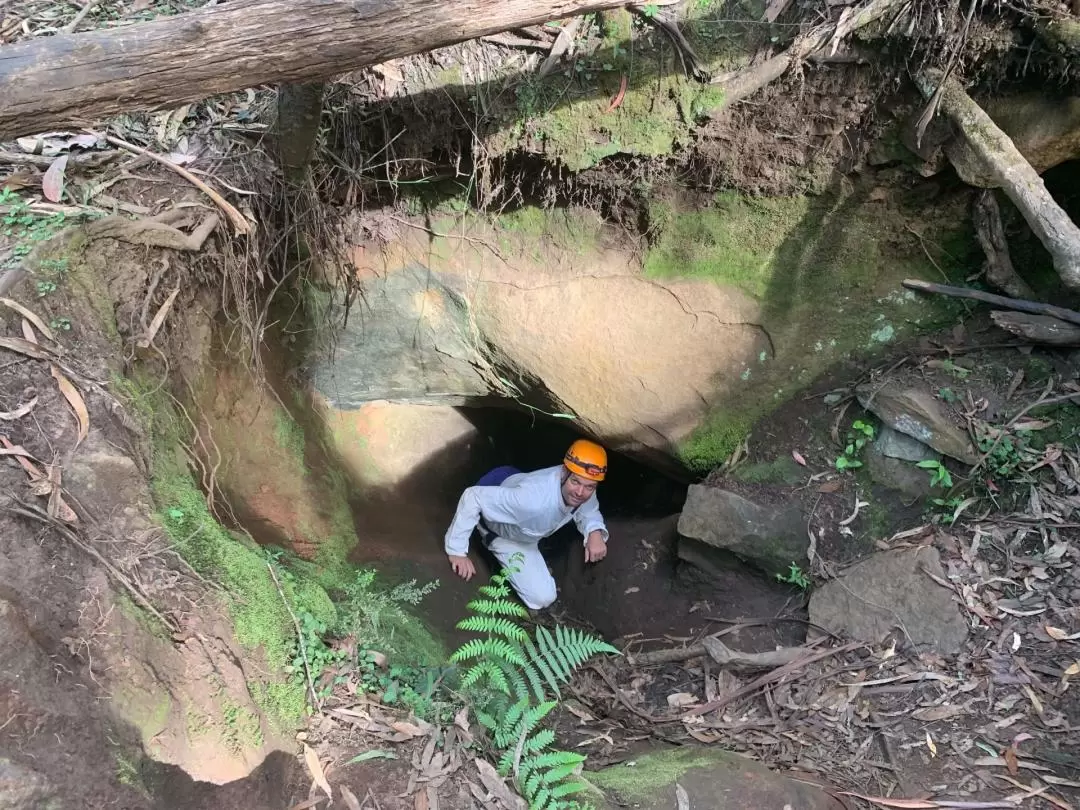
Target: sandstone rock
column 894, row 444
column 890, row 592
column 22, row 788
column 711, row 778
column 772, row 538
column 894, row 473
column 408, row 339
column 639, row 361
column 917, row 414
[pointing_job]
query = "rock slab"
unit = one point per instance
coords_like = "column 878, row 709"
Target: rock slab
column 891, row 591
column 917, row 414
column 770, row 537
column 894, row 444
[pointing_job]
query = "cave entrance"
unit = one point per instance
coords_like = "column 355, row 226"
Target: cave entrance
column 641, row 589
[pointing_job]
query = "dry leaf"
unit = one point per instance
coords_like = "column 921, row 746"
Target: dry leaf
column 461, row 719
column 25, row 347
column 1010, row 761
column 1074, row 669
column 904, row 804
column 420, row 801
column 52, row 184
column 679, row 699
column 497, row 787
column 315, row 768
column 578, row 712
column 933, row 714
column 703, row 736
column 795, row 454
column 629, row 591
column 350, row 798
column 931, row 745
column 30, row 316
column 1055, row 633
column 681, row 799
column 829, row 487
column 403, row 727
column 20, row 412
column 74, row 398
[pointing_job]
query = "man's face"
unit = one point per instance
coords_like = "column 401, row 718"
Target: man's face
column 576, row 490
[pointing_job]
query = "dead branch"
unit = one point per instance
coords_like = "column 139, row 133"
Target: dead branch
column 561, row 45
column 299, row 637
column 691, row 63
column 999, row 268
column 1038, row 328
column 724, row 656
column 1011, row 171
column 770, row 677
column 1035, row 307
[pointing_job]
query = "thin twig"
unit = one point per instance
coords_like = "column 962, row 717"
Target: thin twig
column 34, row 513
column 240, row 224
column 299, row 637
column 86, row 9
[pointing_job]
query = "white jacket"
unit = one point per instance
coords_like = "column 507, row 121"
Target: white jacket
column 525, row 509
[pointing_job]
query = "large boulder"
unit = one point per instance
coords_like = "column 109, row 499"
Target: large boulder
column 892, row 592
column 572, row 327
column 771, row 537
column 916, row 413
column 712, row 778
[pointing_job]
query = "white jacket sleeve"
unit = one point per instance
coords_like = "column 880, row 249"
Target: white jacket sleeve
column 588, row 519
column 495, row 504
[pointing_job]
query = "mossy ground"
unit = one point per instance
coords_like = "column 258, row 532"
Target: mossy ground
column 648, row 776
column 826, row 271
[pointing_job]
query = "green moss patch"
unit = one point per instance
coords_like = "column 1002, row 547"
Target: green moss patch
column 641, row 779
column 826, row 272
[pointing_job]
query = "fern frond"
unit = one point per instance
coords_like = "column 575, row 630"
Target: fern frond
column 488, row 721
column 540, row 662
column 498, row 607
column 516, row 676
column 488, row 648
column 494, row 591
column 508, row 730
column 556, row 657
column 490, row 624
column 547, row 760
column 539, row 801
column 489, row 670
column 538, row 742
column 530, row 671
column 568, row 788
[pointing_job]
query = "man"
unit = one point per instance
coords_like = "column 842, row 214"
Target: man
column 514, row 511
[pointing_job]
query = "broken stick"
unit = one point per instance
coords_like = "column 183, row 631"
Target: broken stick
column 1070, row 315
column 1038, row 328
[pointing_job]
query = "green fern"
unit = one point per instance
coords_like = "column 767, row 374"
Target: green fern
column 514, row 678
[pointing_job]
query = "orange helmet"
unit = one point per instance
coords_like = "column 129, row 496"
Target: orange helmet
column 587, row 459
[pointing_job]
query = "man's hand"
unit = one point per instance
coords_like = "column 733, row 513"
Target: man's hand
column 462, row 566
column 595, row 547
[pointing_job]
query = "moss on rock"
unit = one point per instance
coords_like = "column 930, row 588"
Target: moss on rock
column 826, row 271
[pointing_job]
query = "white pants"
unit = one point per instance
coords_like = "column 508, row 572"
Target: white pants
column 533, row 582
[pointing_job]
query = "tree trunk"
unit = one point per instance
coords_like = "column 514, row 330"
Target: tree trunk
column 1012, row 173
column 71, row 79
column 999, row 268
column 299, row 112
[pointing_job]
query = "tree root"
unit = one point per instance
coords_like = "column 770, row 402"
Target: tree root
column 999, row 268
column 153, row 232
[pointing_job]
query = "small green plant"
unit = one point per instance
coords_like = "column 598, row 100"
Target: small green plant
column 860, row 433
column 947, row 395
column 795, row 576
column 650, row 10
column 62, row 324
column 513, row 678
column 939, row 474
column 45, row 287
column 955, row 370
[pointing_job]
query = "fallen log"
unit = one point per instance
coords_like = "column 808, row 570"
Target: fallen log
column 1034, row 307
column 1038, row 328
column 72, row 79
column 1011, row 171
